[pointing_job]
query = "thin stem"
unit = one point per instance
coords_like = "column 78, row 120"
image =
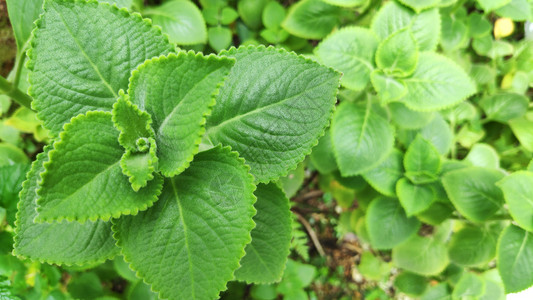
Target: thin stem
column 14, row 93
column 21, row 58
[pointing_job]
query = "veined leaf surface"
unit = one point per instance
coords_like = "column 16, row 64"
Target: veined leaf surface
column 515, row 259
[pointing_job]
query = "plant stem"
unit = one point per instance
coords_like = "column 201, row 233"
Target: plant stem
column 21, row 58
column 14, row 93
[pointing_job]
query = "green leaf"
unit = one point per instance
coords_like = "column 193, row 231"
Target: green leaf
column 85, row 286
column 362, row 133
column 388, row 88
column 181, row 20
column 372, row 267
column 440, row 291
column 469, row 286
column 322, row 156
column 523, row 130
column 422, row 161
column 473, row 192
column 472, row 246
column 134, row 124
column 414, row 198
column 140, row 166
column 203, row 221
column 483, row 155
column 425, row 26
column 351, row 51
column 409, row 119
column 490, row 5
column 273, row 15
column 311, row 19
column 219, row 38
column 272, row 109
column 120, row 3
column 58, row 243
column 251, row 11
column 518, row 192
column 384, row 176
column 178, row 91
column 346, row 3
column 101, row 57
column 266, row 255
column 478, row 25
column 83, row 179
column 517, row 10
column 11, row 178
column 22, row 14
column 421, row 255
column 439, row 133
column 10, row 155
column 503, row 107
column 419, row 5
column 387, row 223
column 411, row 284
column 437, row 83
column 398, row 53
column 515, row 259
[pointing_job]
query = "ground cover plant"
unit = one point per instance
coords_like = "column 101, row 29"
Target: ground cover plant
column 164, row 158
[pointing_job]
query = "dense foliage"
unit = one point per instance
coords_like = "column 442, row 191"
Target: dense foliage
column 178, row 165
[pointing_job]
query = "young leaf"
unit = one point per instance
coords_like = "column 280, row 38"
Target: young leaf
column 518, row 192
column 408, row 119
column 398, row 53
column 425, row 26
column 203, row 221
column 362, row 133
column 411, row 284
column 473, row 192
column 472, row 246
column 351, row 51
column 83, row 179
column 134, row 124
column 454, row 33
column 421, row 255
column 100, row 57
column 272, row 109
column 219, row 37
column 387, row 223
column 437, row 83
column 515, row 259
column 388, row 88
column 140, row 166
column 503, row 107
column 22, row 14
column 419, row 5
column 384, row 176
column 483, row 155
column 178, row 91
column 58, row 243
column 421, row 161
column 469, row 286
column 414, row 198
column 311, row 19
column 267, row 254
column 181, row 20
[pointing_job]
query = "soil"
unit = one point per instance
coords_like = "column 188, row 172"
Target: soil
column 8, row 48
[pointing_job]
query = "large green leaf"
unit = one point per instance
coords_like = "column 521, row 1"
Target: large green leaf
column 469, row 286
column 188, row 245
column 437, row 83
column 351, row 51
column 267, row 254
column 58, row 243
column 489, row 5
column 515, row 259
column 362, row 138
column 82, row 54
column 472, row 246
column 414, row 198
column 407, row 118
column 517, row 10
column 473, row 192
column 518, row 192
column 503, row 107
column 387, row 223
column 181, row 20
column 398, row 53
column 425, row 26
column 83, row 179
column 421, row 255
column 311, row 19
column 383, row 177
column 422, row 161
column 272, row 109
column 22, row 14
column 178, row 91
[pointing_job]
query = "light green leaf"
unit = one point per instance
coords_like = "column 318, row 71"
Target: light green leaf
column 219, row 38
column 120, row 3
column 409, row 119
column 411, row 284
column 515, row 259
column 387, row 223
column 425, row 26
column 503, row 107
column 454, row 33
column 272, row 109
column 472, row 246
column 351, row 51
column 311, row 19
column 414, row 198
column 372, row 267
column 483, row 155
column 346, row 3
column 419, row 5
column 322, row 156
column 181, row 20
column 83, row 179
column 140, row 166
column 517, row 10
column 493, row 290
column 473, row 192
column 292, row 182
column 398, row 53
column 518, row 192
column 384, row 176
column 203, row 221
column 178, row 91
column 439, row 133
column 266, row 255
column 490, row 5
column 134, row 125
column 437, row 83
column 388, row 88
column 422, row 161
column 362, row 133
column 478, row 25
column 440, row 291
column 11, row 178
column 251, row 11
column 22, row 14
column 421, row 255
column 58, row 243
column 469, row 286
column 100, row 58
column 523, row 130
column 10, row 155
column 273, row 15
